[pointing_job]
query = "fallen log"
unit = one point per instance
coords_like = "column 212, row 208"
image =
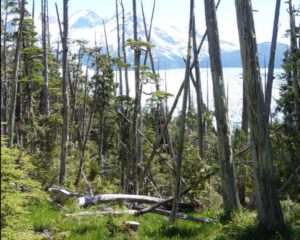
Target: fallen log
column 61, row 195
column 95, row 213
column 92, row 200
column 148, row 209
column 179, row 215
column 137, row 209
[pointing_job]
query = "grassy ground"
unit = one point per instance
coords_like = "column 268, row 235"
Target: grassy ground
column 28, row 213
column 47, row 221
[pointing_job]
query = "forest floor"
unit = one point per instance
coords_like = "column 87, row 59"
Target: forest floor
column 27, row 212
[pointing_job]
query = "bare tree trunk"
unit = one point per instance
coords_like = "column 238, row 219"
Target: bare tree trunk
column 245, row 113
column 65, row 110
column 148, row 34
column 269, row 209
column 199, row 96
column 83, row 144
column 124, row 49
column 136, row 142
column 203, row 39
column 268, row 94
column 183, row 119
column 295, row 73
column 101, row 135
column 45, row 95
column 122, row 129
column 227, row 168
column 14, row 87
column 75, row 84
column 119, row 50
column 105, row 36
column 4, row 83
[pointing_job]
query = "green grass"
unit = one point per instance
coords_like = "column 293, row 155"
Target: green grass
column 47, row 217
column 30, row 215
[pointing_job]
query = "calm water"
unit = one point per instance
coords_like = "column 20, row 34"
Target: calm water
column 233, row 86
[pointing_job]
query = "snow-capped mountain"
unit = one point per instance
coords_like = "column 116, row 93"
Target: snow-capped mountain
column 169, row 41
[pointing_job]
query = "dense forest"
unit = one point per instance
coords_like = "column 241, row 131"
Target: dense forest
column 82, row 157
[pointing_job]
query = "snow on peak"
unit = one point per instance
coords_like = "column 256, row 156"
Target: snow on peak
column 85, row 19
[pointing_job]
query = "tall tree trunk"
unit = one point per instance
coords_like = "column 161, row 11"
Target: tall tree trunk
column 14, row 87
column 65, row 94
column 124, row 49
column 269, row 209
column 227, row 168
column 268, row 94
column 122, row 129
column 245, row 113
column 4, row 84
column 45, row 95
column 101, row 134
column 119, row 50
column 295, row 72
column 183, row 119
column 105, row 36
column 77, row 73
column 136, row 138
column 199, row 96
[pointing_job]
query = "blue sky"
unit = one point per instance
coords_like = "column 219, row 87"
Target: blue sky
column 175, row 12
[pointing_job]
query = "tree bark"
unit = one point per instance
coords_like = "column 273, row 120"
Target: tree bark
column 245, row 111
column 45, row 95
column 268, row 94
column 295, row 68
column 183, row 119
column 199, row 96
column 136, row 141
column 227, row 168
column 124, row 49
column 269, row 209
column 119, row 50
column 14, row 87
column 65, row 110
column 4, row 83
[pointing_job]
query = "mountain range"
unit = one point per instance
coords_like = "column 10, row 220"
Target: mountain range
column 169, row 41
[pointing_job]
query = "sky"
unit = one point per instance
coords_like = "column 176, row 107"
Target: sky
column 175, row 12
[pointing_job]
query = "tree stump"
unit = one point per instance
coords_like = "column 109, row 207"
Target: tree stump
column 132, row 225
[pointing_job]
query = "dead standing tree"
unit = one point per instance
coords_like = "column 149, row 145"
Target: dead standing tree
column 268, row 94
column 198, row 89
column 65, row 95
column 269, row 209
column 14, row 86
column 295, row 69
column 4, row 82
column 183, row 119
column 228, row 178
column 45, row 93
column 136, row 140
